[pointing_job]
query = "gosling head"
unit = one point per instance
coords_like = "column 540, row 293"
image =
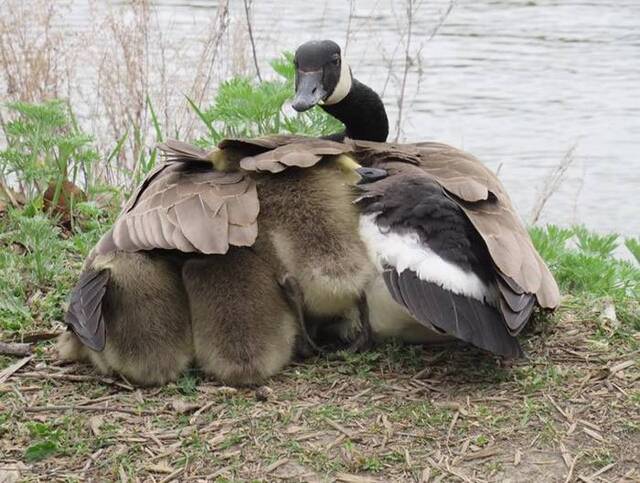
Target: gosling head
column 321, row 75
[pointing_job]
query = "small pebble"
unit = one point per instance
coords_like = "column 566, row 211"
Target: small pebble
column 264, row 393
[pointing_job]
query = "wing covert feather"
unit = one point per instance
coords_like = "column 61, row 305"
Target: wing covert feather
column 190, row 211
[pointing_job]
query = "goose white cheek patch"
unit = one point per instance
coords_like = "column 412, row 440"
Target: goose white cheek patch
column 405, row 251
column 343, row 87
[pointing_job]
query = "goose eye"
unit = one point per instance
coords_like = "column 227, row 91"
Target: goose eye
column 336, row 61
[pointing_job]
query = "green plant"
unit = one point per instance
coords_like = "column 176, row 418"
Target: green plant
column 47, row 441
column 633, row 245
column 246, row 108
column 45, row 147
column 585, row 264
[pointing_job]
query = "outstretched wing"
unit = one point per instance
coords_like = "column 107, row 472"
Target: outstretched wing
column 186, row 204
column 188, row 207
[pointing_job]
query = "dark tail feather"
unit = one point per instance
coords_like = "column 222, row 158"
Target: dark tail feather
column 457, row 315
column 516, row 306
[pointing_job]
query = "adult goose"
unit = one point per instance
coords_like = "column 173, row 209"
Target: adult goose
column 186, row 275
column 452, row 251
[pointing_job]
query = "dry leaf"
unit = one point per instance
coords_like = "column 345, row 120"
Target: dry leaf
column 621, row 367
column 593, row 434
column 11, row 473
column 222, row 390
column 517, row 458
column 160, row 467
column 183, row 407
column 95, row 423
column 264, row 393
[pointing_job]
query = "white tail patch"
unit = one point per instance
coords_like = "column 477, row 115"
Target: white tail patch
column 405, row 251
column 342, row 87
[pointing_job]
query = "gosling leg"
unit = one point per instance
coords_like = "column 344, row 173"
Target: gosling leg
column 305, row 346
column 364, row 340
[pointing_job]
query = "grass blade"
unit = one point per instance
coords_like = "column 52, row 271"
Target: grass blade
column 154, row 120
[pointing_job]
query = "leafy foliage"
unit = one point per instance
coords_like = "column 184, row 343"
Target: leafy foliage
column 45, row 145
column 633, row 245
column 585, row 264
column 245, row 108
column 39, row 263
column 47, row 441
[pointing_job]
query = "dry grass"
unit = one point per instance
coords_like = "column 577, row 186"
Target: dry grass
column 125, row 80
column 551, row 184
column 36, row 60
column 569, row 413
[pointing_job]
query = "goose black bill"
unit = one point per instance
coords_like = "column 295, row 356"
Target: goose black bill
column 309, row 90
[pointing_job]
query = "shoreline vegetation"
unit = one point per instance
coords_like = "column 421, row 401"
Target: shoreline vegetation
column 569, row 412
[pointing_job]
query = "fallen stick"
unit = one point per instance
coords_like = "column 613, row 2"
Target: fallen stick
column 7, row 372
column 44, row 409
column 14, row 349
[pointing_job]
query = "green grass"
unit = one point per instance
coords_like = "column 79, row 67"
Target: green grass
column 587, row 269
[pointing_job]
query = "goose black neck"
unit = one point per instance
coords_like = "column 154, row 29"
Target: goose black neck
column 362, row 113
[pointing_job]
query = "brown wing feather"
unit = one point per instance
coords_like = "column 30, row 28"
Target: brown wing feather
column 299, row 154
column 187, row 209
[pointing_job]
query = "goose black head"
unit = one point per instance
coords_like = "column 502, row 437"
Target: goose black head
column 321, row 75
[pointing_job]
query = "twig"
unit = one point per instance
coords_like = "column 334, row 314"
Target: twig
column 276, row 465
column 481, row 454
column 173, row 475
column 551, row 184
column 602, row 470
column 407, row 63
column 247, row 8
column 40, row 336
column 79, row 378
column 352, row 5
column 7, row 372
column 571, row 469
column 14, row 349
column 74, row 407
column 452, row 425
column 339, row 428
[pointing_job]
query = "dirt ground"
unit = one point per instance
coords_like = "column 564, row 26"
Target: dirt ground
column 571, row 412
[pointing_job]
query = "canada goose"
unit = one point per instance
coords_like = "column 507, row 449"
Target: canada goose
column 441, row 227
column 438, row 225
column 175, row 281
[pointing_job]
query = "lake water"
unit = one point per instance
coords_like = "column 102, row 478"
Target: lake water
column 517, row 83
